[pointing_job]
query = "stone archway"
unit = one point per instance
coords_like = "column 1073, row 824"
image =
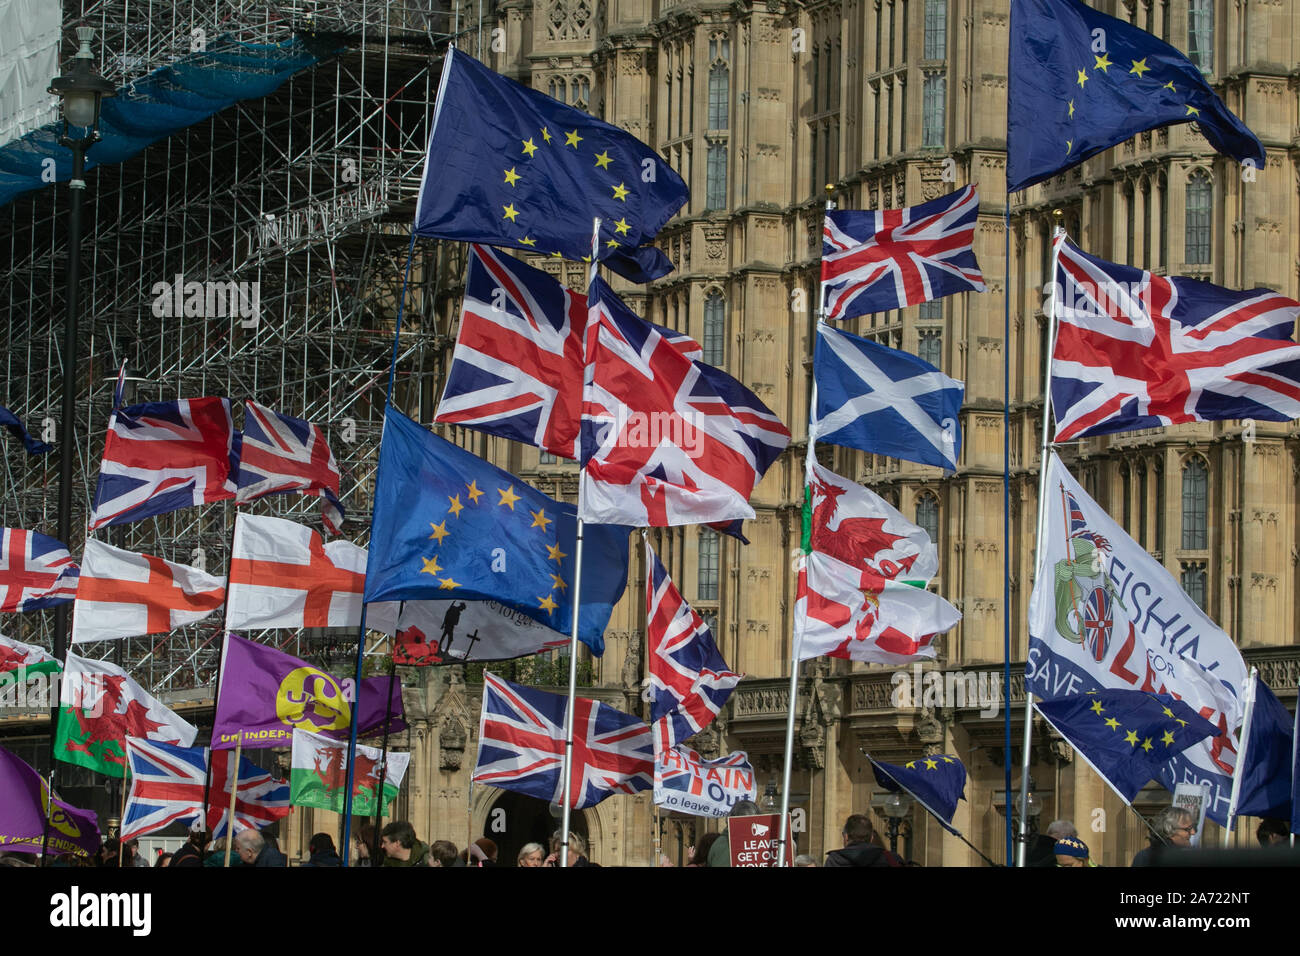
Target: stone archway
column 513, row 819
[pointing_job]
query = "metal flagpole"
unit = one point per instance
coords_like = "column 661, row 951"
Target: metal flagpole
column 1043, row 449
column 1006, row 507
column 1242, row 748
column 809, row 457
column 566, row 766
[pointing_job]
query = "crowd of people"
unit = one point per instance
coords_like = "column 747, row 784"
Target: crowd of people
column 1172, row 831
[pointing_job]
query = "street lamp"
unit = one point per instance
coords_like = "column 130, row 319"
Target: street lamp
column 82, row 90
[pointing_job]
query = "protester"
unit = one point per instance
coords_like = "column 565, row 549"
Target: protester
column 1041, row 850
column 699, row 854
column 363, row 842
column 255, row 851
column 531, row 855
column 577, row 850
column 191, row 854
column 400, row 846
column 1174, row 828
column 859, row 848
column 108, row 853
column 720, row 852
column 805, row 859
column 164, row 859
column 322, row 852
column 1271, row 832
column 131, row 854
column 1072, row 852
column 443, row 853
column 482, row 852
column 217, row 855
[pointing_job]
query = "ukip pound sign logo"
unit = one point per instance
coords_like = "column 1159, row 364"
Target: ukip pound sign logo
column 58, row 817
column 312, row 700
column 1085, row 592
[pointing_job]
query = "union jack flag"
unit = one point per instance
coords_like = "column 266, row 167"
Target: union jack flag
column 167, row 786
column 689, row 680
column 163, row 456
column 1137, row 350
column 35, row 571
column 284, row 454
column 877, row 260
column 665, row 440
column 521, row 746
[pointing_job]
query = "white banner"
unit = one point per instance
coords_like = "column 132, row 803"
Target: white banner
column 686, row 782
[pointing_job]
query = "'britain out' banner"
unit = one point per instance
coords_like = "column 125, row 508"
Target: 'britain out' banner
column 686, row 782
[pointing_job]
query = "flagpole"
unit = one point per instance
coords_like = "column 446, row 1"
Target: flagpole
column 1239, row 769
column 1006, row 505
column 1043, row 449
column 221, row 660
column 566, row 766
column 234, row 792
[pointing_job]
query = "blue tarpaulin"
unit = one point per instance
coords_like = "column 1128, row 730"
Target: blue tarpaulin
column 152, row 108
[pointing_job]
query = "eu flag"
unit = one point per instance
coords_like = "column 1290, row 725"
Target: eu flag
column 1127, row 736
column 1081, row 82
column 1266, row 782
column 510, row 166
column 450, row 526
column 936, row 782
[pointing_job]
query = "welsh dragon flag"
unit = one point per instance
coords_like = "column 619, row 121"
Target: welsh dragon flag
column 19, row 661
column 318, row 774
column 99, row 707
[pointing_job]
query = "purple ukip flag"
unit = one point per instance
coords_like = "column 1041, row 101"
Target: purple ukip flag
column 266, row 693
column 22, row 815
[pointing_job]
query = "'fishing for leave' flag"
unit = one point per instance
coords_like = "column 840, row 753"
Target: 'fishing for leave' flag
column 36, row 571
column 319, row 774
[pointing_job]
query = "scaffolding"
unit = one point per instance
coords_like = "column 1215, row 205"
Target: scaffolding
column 309, row 193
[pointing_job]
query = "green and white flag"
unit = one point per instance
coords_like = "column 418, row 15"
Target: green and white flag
column 19, row 661
column 318, row 775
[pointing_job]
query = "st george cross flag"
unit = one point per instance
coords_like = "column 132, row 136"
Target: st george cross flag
column 19, row 661
column 318, row 775
column 877, row 260
column 13, row 424
column 33, row 820
column 521, row 746
column 449, row 525
column 884, row 401
column 689, row 681
column 1126, row 735
column 283, row 575
column 665, row 440
column 512, row 167
column 99, row 707
column 1069, row 98
column 36, row 571
column 517, row 367
column 168, row 785
column 1138, row 350
column 687, row 783
column 163, row 456
column 936, row 782
column 282, row 454
column 1105, row 614
column 124, row 594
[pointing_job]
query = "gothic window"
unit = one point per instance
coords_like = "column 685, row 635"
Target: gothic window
column 716, row 187
column 719, row 81
column 715, row 330
column 1200, row 34
column 1193, row 582
column 1195, row 505
column 582, row 93
column 1130, row 221
column 936, row 29
column 708, row 571
column 929, row 346
column 569, row 20
column 1126, row 505
column 1196, row 242
column 932, row 310
column 933, row 107
column 546, row 458
column 927, row 515
column 556, row 89
column 1163, row 203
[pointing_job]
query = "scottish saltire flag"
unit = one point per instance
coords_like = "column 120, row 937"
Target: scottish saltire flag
column 884, row 401
column 282, row 454
column 1138, row 350
column 1081, row 81
column 1127, row 736
column 876, row 260
column 450, row 526
column 12, row 424
column 512, row 167
column 936, row 782
column 1266, row 784
column 517, row 367
column 521, row 746
column 665, row 440
column 687, row 783
column 689, row 681
column 168, row 784
column 36, row 571
column 1105, row 614
column 163, row 456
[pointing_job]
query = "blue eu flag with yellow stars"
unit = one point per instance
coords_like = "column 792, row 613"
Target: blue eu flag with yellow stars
column 511, row 167
column 1081, row 82
column 936, row 782
column 449, row 526
column 1127, row 736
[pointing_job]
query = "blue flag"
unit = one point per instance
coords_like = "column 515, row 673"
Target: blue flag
column 936, row 782
column 1295, row 771
column 15, row 427
column 1266, row 786
column 510, row 166
column 1082, row 81
column 1127, row 736
column 884, row 401
column 450, row 526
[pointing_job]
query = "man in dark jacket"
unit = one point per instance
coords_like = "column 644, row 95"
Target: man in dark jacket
column 254, row 851
column 858, row 848
column 191, row 854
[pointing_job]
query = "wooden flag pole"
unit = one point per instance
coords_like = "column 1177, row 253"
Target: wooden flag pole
column 234, row 792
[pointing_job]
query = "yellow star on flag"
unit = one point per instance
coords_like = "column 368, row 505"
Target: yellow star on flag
column 910, row 765
column 572, row 139
column 527, row 241
column 510, row 212
column 1071, row 109
column 529, row 147
column 1069, row 145
column 1192, row 110
column 602, row 160
column 512, row 177
column 431, row 565
column 1169, row 86
column 1083, row 78
column 1168, row 738
column 439, row 530
column 454, row 508
column 557, row 255
column 539, row 519
column 620, row 192
column 947, row 759
column 1131, row 738
column 611, row 243
column 559, row 583
column 1140, row 67
column 546, row 604
column 555, row 554
column 473, row 493
column 447, row 584
column 1181, row 723
column 1112, row 723
column 1146, row 744
column 1103, row 61
column 1096, row 707
column 931, row 765
column 546, row 134
column 1167, row 711
column 621, row 227
column 508, row 497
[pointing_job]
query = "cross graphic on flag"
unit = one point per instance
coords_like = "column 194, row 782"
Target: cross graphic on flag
column 35, row 571
column 284, row 454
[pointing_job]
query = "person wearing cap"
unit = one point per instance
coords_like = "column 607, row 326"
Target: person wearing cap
column 191, row 854
column 1071, row 852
